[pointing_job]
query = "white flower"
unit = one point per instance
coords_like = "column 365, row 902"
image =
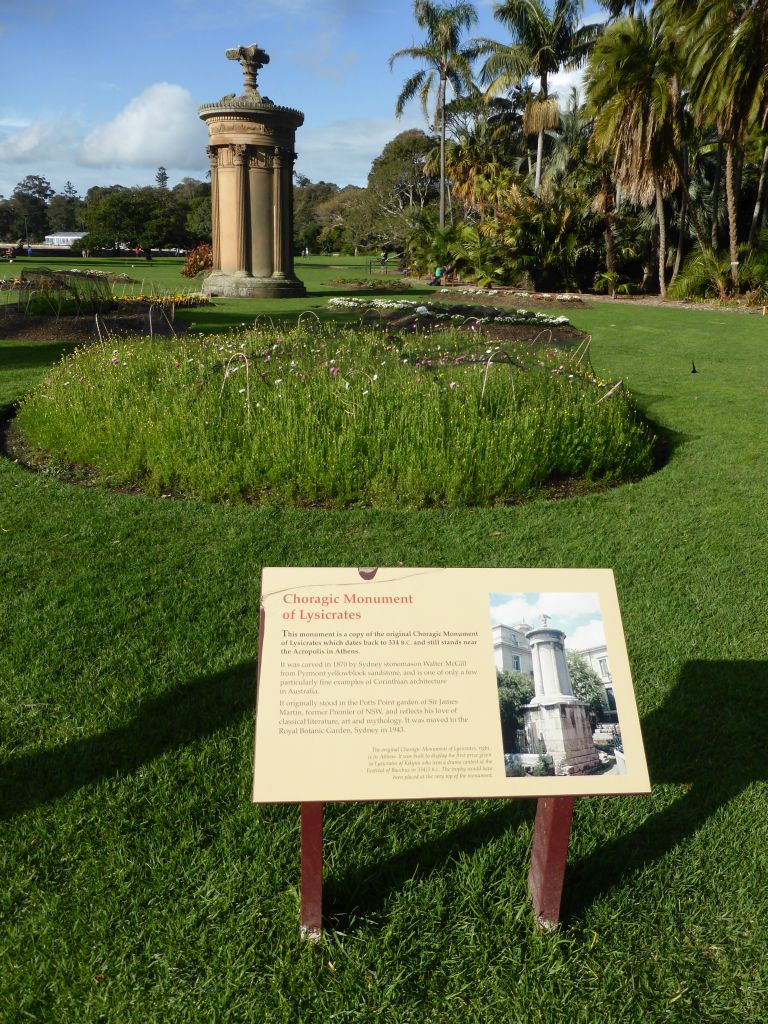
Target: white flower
column 279, row 380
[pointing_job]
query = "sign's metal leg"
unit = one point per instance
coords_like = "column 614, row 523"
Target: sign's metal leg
column 311, row 870
column 548, row 855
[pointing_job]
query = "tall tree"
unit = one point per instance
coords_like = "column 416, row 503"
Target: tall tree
column 542, row 44
column 161, row 178
column 30, row 199
column 632, row 95
column 725, row 43
column 447, row 61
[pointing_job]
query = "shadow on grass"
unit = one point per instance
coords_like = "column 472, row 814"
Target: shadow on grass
column 364, row 890
column 180, row 717
column 710, row 737
column 32, row 354
column 699, row 717
column 668, row 441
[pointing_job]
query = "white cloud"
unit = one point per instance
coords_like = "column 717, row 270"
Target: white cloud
column 38, row 140
column 590, row 635
column 159, row 126
column 343, row 151
column 568, row 605
column 563, row 81
column 566, row 611
column 513, row 612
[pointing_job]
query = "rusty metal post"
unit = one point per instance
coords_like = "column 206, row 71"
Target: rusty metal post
column 311, row 870
column 549, row 851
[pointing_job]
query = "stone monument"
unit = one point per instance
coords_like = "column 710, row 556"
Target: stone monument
column 251, row 150
column 556, row 721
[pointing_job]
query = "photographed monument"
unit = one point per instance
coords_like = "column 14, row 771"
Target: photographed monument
column 251, row 150
column 556, row 721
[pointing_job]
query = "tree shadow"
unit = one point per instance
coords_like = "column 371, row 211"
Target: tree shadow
column 363, row 890
column 679, row 739
column 709, row 736
column 177, row 718
column 33, row 354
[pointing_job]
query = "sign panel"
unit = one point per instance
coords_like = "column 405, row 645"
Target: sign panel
column 413, row 683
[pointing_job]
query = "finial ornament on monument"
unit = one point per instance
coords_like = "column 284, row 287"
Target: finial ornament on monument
column 545, row 620
column 252, row 59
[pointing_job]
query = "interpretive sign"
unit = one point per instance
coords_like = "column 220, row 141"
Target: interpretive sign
column 407, row 683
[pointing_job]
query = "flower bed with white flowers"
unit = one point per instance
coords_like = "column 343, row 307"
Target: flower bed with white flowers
column 436, row 313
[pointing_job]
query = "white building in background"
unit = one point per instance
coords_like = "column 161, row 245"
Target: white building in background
column 511, row 650
column 63, row 239
column 597, row 659
column 512, row 653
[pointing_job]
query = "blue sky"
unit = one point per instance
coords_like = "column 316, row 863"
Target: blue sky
column 102, row 93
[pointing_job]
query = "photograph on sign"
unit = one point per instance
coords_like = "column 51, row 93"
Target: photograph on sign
column 414, row 683
column 556, row 704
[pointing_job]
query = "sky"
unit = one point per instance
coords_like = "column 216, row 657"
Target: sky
column 576, row 614
column 103, row 93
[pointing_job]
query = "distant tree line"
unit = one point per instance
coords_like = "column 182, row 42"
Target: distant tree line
column 150, row 217
column 384, row 215
column 327, row 218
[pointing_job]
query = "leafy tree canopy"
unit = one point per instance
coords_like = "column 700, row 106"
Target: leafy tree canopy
column 587, row 685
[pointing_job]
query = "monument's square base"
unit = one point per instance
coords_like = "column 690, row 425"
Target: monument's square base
column 242, row 286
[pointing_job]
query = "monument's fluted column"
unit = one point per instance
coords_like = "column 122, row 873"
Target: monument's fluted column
column 261, row 214
column 239, row 156
column 280, row 219
column 252, row 152
column 228, row 194
column 213, row 157
column 289, row 217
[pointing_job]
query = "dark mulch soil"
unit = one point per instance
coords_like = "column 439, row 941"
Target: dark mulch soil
column 82, row 328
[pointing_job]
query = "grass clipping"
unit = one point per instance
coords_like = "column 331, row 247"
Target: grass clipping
column 334, row 417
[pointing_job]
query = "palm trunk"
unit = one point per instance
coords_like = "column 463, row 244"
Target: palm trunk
column 610, row 248
column 681, row 236
column 760, row 188
column 606, row 186
column 539, row 157
column 681, row 163
column 441, row 103
column 540, row 142
column 716, row 195
column 660, row 217
column 730, row 200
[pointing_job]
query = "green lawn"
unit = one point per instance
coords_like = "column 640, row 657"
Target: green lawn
column 141, row 887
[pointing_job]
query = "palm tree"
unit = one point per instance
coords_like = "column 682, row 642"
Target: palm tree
column 633, row 96
column 725, row 43
column 447, row 61
column 618, row 8
column 478, row 162
column 542, row 44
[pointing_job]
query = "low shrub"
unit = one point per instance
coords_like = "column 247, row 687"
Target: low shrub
column 335, row 417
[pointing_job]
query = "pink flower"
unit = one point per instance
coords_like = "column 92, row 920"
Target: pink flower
column 334, row 371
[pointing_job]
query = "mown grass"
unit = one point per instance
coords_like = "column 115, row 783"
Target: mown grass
column 141, row 885
column 336, row 416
